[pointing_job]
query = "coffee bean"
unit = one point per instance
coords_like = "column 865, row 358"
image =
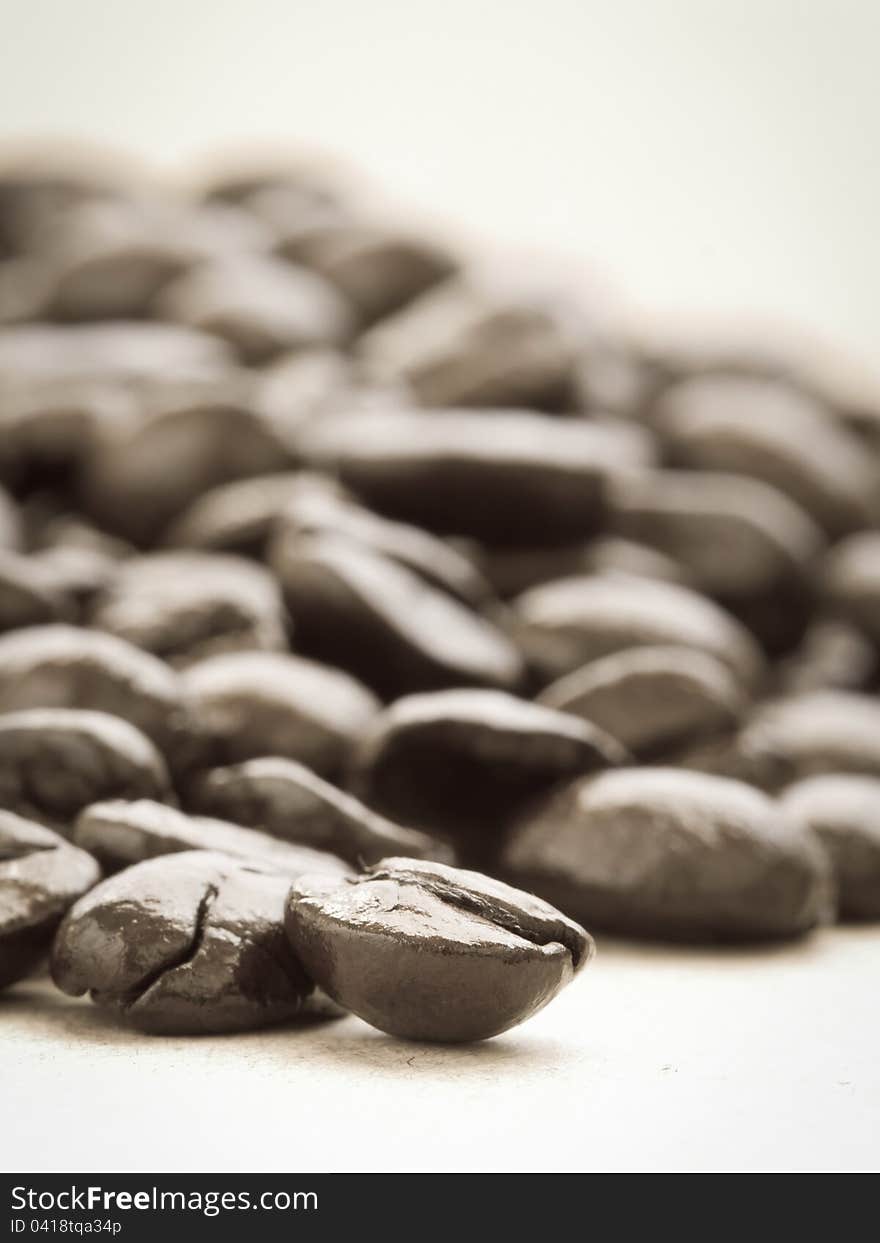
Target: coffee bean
column 507, row 477
column 130, row 352
column 312, row 509
column 832, row 656
column 29, row 594
column 190, row 942
column 651, row 698
column 358, row 609
column 55, row 761
column 565, row 624
column 249, row 704
column 41, row 875
column 767, row 430
column 819, row 732
column 512, row 571
column 735, row 536
column 659, row 853
column 851, row 581
column 185, row 606
column 260, row 306
column 462, row 762
column 120, row 834
column 239, row 517
column 145, row 471
column 429, row 952
column 70, row 667
column 290, row 802
column 844, row 812
column 459, row 345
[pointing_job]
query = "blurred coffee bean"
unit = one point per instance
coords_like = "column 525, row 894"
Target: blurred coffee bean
column 55, row 761
column 249, row 704
column 184, row 606
column 462, row 762
column 70, row 667
column 651, row 698
column 40, row 187
column 239, row 517
column 144, row 472
column 123, row 352
column 507, row 477
column 10, row 523
column 316, row 509
column 458, row 345
column 428, row 952
column 832, row 656
column 735, row 536
column 827, row 731
column 110, row 258
column 41, row 875
column 29, row 593
column 565, row 624
column 260, row 306
column 360, row 610
column 844, row 812
column 768, row 431
column 302, row 181
column 290, row 802
column 850, row 579
column 514, row 570
column 378, row 269
column 190, row 942
column 48, row 429
column 121, row 834
column 655, row 852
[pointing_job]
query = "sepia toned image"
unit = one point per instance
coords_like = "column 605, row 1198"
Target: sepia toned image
column 439, row 598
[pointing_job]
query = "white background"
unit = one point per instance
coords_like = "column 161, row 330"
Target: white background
column 711, row 155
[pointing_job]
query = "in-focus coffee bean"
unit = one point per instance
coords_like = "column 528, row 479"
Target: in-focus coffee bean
column 429, row 952
column 41, row 875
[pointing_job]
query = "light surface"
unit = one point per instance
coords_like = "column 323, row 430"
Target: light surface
column 653, row 1059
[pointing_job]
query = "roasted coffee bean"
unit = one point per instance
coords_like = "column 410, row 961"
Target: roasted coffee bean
column 655, row 852
column 110, row 258
column 512, row 571
column 185, row 606
column 459, row 345
column 249, row 704
column 832, row 656
column 189, row 437
column 767, row 430
column 377, row 269
column 239, row 517
column 462, row 762
column 69, row 667
column 565, row 624
column 429, row 952
column 55, row 761
column 819, row 732
column 41, row 875
column 736, row 537
column 360, row 610
column 651, row 698
column 187, row 943
column 29, row 593
column 314, row 508
column 10, row 524
column 844, row 812
column 260, row 306
column 506, row 477
column 131, row 352
column 120, row 834
column 287, row 800
column 851, row 581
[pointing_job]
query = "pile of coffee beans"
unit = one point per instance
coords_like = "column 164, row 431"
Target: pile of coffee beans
column 361, row 597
